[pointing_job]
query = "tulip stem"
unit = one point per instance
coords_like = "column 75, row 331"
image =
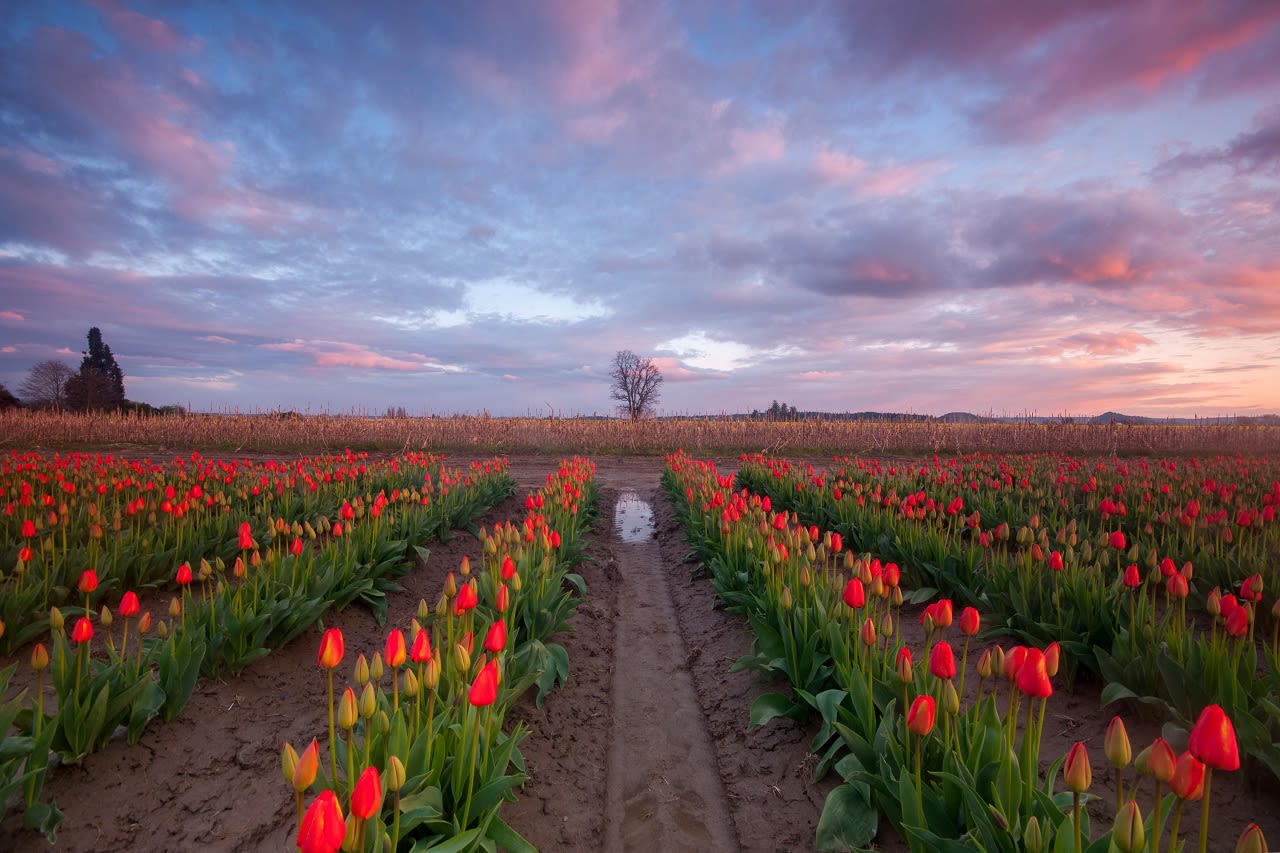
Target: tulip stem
column 919, row 788
column 1159, row 823
column 333, row 754
column 1204, row 810
column 1173, row 827
column 1075, row 820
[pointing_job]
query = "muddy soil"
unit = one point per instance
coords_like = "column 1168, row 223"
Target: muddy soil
column 645, row 748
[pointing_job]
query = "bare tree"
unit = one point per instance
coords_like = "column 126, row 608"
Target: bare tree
column 46, row 385
column 636, row 382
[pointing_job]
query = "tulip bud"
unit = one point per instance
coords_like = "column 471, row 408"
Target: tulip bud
column 175, row 608
column 461, row 658
column 104, row 616
column 411, row 685
column 903, row 665
column 1251, row 840
column 450, row 585
column 289, row 761
column 56, row 619
column 368, row 702
column 39, row 657
column 1052, row 657
column 431, row 672
column 1032, row 837
column 162, row 630
column 950, row 698
column 362, row 671
column 375, row 667
column 395, row 773
column 424, row 612
column 868, row 632
column 144, row 624
column 1128, row 834
column 1116, row 744
column 348, row 711
column 1142, row 761
column 1077, row 772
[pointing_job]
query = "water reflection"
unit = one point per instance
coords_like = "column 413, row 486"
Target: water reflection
column 633, row 518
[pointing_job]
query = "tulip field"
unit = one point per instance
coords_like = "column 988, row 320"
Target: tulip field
column 1149, row 576
column 915, row 622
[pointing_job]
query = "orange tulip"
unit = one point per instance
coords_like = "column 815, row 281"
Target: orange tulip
column 1188, row 777
column 394, row 655
column 331, row 649
column 304, row 772
column 323, row 827
column 88, row 581
column 1077, row 772
column 421, row 649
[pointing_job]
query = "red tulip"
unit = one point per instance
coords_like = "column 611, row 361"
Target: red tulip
column 484, row 690
column 347, row 513
column 868, row 632
column 246, row 536
column 508, row 568
column 331, row 649
column 1188, row 777
column 421, row 650
column 184, row 574
column 83, row 632
column 903, row 664
column 1117, row 540
column 1055, row 560
column 922, row 715
column 128, row 604
column 504, row 599
column 366, row 797
column 854, row 594
column 1013, row 662
column 496, row 640
column 394, row 653
column 28, row 528
column 1132, row 579
column 970, row 621
column 1251, row 589
column 323, row 827
column 295, row 547
column 88, row 581
column 942, row 661
column 1213, row 740
column 837, row 544
column 1237, row 622
column 1033, row 677
column 466, row 600
column 1177, row 586
column 1161, row 762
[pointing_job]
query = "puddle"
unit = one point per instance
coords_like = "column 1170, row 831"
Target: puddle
column 633, row 518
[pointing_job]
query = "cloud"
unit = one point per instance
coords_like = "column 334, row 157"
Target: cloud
column 11, row 316
column 1254, row 151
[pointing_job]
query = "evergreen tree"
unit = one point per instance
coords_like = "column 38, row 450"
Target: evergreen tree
column 100, row 382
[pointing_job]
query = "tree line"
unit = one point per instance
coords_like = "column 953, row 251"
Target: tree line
column 54, row 385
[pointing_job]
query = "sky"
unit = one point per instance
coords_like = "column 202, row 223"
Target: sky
column 998, row 206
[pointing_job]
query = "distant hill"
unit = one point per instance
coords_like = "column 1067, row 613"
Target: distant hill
column 971, row 418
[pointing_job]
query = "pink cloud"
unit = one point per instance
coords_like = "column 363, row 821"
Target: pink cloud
column 597, row 127
column 597, row 64
column 836, row 166
column 1107, row 343
column 341, row 354
column 756, row 145
column 148, row 33
column 11, row 316
column 896, row 180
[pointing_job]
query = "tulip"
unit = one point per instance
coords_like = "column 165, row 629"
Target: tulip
column 1128, row 833
column 184, row 574
column 484, row 689
column 88, row 581
column 1078, row 775
column 942, row 661
column 1116, row 540
column 1212, row 741
column 921, row 716
column 970, row 621
column 1032, row 677
column 323, row 828
column 496, row 639
column 246, row 536
column 854, row 594
column 508, row 567
column 1119, row 753
column 1055, row 561
column 308, row 764
column 129, row 604
column 366, row 797
column 83, row 631
column 395, row 654
column 329, row 656
column 420, row 651
column 1252, row 840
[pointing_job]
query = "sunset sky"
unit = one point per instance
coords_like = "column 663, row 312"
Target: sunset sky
column 997, row 207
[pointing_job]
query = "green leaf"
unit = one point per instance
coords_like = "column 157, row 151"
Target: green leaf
column 848, row 821
column 1114, row 692
column 771, row 705
column 44, row 818
column 508, row 839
